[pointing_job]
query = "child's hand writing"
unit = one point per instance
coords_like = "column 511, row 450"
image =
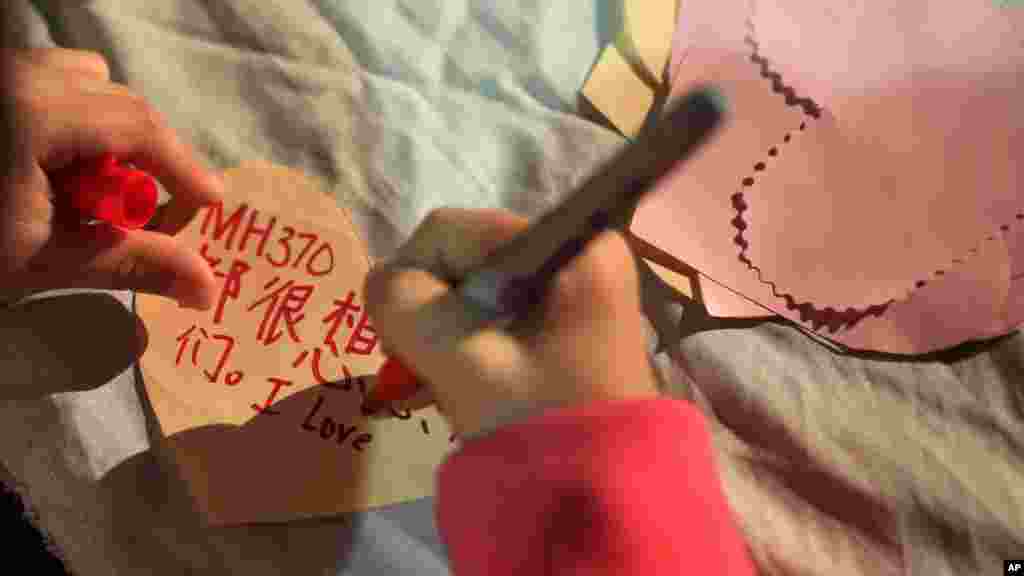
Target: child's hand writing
column 65, row 108
column 585, row 343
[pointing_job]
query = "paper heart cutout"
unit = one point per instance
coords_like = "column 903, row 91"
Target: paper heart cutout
column 237, row 390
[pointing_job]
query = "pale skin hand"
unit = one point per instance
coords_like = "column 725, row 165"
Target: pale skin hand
column 65, row 109
column 585, row 343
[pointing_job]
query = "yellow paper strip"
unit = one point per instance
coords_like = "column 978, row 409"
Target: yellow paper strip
column 615, row 90
column 646, row 38
column 674, row 279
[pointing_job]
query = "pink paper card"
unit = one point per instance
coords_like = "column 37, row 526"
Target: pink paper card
column 839, row 52
column 889, row 222
column 691, row 216
column 969, row 302
column 915, row 160
column 709, row 25
column 1015, row 299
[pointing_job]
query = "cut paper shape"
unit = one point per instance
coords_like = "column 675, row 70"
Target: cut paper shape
column 1014, row 236
column 690, row 214
column 809, row 106
column 921, row 137
column 261, row 398
column 689, row 282
column 678, row 47
column 616, row 91
column 677, row 281
column 665, row 266
column 971, row 301
column 646, row 37
column 709, row 46
column 838, row 53
column 709, row 25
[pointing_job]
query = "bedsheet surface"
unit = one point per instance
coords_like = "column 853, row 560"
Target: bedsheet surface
column 833, row 465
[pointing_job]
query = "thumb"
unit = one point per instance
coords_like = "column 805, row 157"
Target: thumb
column 447, row 243
column 104, row 257
column 419, row 315
column 413, row 307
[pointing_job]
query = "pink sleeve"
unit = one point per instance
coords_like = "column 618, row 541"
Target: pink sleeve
column 618, row 487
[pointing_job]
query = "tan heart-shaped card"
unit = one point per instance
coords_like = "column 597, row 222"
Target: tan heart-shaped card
column 261, row 397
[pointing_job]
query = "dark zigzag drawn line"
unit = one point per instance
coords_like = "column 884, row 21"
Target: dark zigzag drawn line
column 810, row 107
column 828, row 317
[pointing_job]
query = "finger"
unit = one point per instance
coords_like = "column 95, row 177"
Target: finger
column 109, row 258
column 597, row 287
column 595, row 298
column 79, row 62
column 451, row 241
column 408, row 303
column 130, row 128
column 430, row 327
column 448, row 241
column 593, row 310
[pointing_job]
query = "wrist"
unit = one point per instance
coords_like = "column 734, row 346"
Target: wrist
column 511, row 413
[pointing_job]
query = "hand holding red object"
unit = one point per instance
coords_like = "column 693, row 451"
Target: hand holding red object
column 66, row 113
column 104, row 189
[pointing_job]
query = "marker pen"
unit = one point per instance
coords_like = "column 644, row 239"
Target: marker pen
column 513, row 279
column 105, row 189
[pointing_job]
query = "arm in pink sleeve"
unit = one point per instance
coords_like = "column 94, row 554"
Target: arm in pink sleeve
column 617, row 487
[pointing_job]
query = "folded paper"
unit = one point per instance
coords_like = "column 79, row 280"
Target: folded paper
column 616, row 91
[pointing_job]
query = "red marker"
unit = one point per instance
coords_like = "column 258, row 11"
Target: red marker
column 104, row 189
column 394, row 382
column 513, row 278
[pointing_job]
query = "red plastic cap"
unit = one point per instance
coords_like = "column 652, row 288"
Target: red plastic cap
column 394, row 382
column 104, row 189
